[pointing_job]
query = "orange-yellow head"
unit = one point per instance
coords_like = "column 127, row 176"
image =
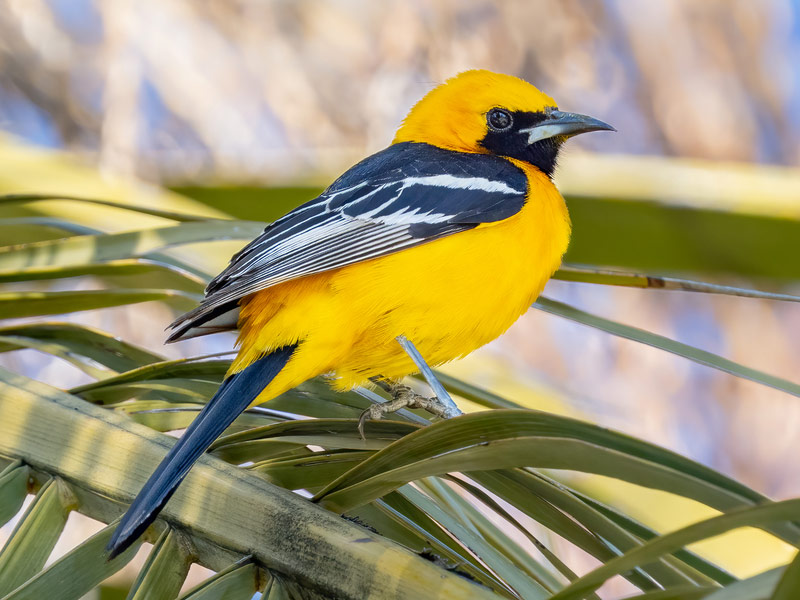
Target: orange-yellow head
column 481, row 111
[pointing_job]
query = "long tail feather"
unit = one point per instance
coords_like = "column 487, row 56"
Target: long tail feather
column 234, row 395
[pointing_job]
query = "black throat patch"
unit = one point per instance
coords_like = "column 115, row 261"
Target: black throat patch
column 542, row 154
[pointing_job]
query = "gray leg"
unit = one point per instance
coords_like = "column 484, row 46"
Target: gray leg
column 403, row 397
column 450, row 408
column 378, row 399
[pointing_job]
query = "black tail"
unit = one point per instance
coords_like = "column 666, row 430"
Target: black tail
column 233, row 396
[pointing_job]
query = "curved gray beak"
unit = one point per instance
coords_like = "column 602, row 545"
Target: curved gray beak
column 564, row 124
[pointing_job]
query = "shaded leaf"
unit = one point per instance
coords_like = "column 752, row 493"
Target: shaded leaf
column 545, row 507
column 788, row 587
column 310, row 472
column 687, row 592
column 699, row 564
column 508, row 573
column 657, row 341
column 509, row 438
column 755, row 516
column 398, row 519
column 470, row 515
column 168, row 415
column 84, row 341
column 30, row 304
column 10, row 343
column 642, row 235
column 620, row 278
column 153, row 274
column 196, row 368
column 162, row 575
column 13, row 490
column 473, row 392
column 518, row 486
column 26, row 229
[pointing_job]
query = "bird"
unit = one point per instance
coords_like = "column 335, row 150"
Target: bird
column 416, row 256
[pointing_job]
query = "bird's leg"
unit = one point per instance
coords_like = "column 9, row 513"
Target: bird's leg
column 402, row 397
column 448, row 407
column 441, row 404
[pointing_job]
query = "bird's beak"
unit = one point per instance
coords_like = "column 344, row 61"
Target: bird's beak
column 564, row 124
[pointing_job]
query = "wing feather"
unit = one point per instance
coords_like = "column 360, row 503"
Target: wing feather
column 406, row 195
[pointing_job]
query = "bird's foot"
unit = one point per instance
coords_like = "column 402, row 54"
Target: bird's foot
column 404, row 397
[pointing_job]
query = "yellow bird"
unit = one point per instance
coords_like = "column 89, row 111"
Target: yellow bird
column 419, row 254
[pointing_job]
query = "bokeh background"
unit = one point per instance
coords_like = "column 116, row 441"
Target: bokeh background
column 221, row 99
column 176, row 90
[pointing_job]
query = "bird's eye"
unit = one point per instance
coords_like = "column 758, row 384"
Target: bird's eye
column 499, row 119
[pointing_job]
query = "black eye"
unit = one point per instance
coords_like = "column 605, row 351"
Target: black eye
column 499, row 119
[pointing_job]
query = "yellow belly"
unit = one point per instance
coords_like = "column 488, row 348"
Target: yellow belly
column 449, row 297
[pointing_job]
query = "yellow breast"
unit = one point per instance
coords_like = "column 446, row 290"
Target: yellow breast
column 449, row 297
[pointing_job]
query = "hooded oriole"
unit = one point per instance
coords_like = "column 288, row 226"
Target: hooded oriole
column 446, row 237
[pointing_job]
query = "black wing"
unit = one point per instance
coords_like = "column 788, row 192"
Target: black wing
column 406, row 195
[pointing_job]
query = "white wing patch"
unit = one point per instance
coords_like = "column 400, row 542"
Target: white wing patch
column 462, row 183
column 397, row 199
column 407, row 216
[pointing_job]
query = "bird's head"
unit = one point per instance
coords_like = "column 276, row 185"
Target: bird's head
column 481, row 111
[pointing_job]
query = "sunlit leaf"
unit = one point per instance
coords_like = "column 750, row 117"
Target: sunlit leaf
column 240, row 581
column 227, row 512
column 88, row 249
column 33, row 538
column 164, row 214
column 76, row 573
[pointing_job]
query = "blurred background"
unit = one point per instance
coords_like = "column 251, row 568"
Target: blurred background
column 177, row 90
column 221, row 100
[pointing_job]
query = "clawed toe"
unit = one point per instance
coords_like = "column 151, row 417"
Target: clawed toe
column 402, row 397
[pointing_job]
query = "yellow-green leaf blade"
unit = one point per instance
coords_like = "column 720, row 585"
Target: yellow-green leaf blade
column 36, row 534
column 31, row 304
column 657, row 282
column 756, row 516
column 239, row 582
column 163, row 574
column 13, row 489
column 658, row 341
column 788, row 587
column 78, row 572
